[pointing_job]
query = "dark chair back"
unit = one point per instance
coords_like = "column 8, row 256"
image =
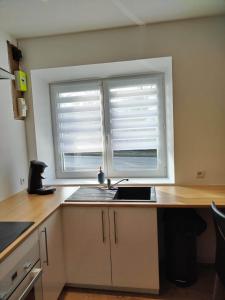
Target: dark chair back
column 219, row 221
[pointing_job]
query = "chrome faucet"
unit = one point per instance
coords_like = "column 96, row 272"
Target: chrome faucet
column 110, row 186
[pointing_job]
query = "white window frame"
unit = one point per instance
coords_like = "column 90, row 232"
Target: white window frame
column 107, row 149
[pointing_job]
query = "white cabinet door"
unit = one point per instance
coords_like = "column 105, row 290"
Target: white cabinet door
column 87, row 245
column 134, row 248
column 52, row 256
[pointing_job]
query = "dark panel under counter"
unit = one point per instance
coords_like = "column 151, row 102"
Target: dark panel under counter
column 92, row 194
column 10, row 231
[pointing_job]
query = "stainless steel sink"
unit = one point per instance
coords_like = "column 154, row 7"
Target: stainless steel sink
column 142, row 194
column 120, row 194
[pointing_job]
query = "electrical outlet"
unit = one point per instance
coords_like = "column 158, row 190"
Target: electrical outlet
column 200, row 174
column 22, row 180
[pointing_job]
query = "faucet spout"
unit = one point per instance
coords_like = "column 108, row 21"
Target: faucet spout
column 110, row 186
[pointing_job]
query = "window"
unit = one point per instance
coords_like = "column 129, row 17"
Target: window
column 116, row 123
column 77, row 114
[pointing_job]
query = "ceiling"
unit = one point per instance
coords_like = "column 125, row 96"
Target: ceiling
column 32, row 18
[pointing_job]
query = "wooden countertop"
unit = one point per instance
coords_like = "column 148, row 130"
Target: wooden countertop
column 190, row 196
column 172, row 196
column 35, row 208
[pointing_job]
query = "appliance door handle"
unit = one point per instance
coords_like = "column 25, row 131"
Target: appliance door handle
column 37, row 273
column 103, row 226
column 46, row 246
column 115, row 227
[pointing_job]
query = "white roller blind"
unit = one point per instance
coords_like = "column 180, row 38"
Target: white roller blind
column 136, row 125
column 134, row 116
column 132, row 141
column 78, row 120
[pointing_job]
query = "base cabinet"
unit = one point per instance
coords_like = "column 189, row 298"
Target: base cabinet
column 87, row 245
column 52, row 256
column 112, row 247
column 134, row 248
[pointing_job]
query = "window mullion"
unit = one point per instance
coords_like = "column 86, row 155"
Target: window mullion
column 107, row 137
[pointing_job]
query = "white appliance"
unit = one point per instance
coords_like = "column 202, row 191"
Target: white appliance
column 22, row 277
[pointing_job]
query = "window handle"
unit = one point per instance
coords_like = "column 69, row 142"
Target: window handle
column 107, row 139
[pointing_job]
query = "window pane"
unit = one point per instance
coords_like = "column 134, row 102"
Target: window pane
column 79, row 126
column 82, row 161
column 134, row 123
column 135, row 159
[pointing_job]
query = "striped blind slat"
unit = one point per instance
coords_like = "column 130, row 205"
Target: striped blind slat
column 79, row 119
column 134, row 114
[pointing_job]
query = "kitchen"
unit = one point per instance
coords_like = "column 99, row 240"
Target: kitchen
column 190, row 54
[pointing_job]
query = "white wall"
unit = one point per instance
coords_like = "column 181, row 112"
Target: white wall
column 198, row 51
column 13, row 152
column 43, row 125
column 41, row 79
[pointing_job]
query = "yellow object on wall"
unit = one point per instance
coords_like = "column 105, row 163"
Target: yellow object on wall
column 21, row 81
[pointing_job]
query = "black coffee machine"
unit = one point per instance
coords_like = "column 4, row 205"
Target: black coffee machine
column 35, row 179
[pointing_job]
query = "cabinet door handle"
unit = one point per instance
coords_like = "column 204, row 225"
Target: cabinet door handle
column 115, row 228
column 46, row 246
column 103, row 226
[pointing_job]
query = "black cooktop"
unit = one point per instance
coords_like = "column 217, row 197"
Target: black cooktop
column 10, row 231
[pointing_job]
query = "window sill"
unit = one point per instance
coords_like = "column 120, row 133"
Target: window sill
column 132, row 181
